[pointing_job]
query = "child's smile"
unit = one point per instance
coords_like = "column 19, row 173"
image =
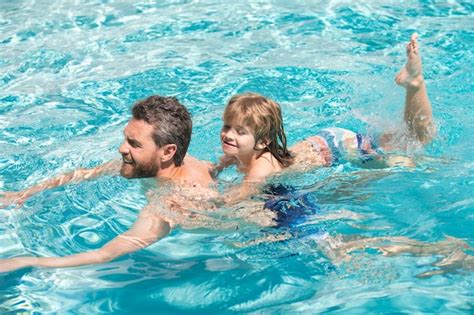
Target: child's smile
column 237, row 140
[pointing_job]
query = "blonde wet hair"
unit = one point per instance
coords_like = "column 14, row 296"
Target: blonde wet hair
column 263, row 117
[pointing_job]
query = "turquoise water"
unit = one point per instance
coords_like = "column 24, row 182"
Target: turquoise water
column 70, row 72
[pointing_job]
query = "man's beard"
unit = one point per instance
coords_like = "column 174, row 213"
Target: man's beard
column 139, row 171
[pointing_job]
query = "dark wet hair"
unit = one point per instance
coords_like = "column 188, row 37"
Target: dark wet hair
column 171, row 122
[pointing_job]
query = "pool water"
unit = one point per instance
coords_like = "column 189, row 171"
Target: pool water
column 70, row 72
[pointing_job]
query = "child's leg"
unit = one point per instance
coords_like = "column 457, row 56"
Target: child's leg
column 418, row 113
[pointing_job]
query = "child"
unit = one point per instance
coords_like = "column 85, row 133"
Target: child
column 253, row 137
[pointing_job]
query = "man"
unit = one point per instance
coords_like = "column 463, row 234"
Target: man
column 156, row 140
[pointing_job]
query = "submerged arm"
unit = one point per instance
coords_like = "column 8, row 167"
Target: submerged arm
column 238, row 194
column 148, row 229
column 252, row 183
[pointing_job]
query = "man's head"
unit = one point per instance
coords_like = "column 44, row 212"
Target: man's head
column 157, row 136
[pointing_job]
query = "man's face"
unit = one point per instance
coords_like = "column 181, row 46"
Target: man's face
column 140, row 154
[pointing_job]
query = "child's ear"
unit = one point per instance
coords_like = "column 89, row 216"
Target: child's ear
column 262, row 144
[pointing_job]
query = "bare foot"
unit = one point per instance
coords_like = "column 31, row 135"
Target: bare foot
column 411, row 74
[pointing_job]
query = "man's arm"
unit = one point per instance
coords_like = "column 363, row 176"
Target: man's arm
column 148, row 229
column 19, row 197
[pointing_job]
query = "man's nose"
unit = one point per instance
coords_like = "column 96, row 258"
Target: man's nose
column 123, row 149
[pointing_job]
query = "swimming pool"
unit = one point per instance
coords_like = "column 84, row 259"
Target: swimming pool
column 70, row 73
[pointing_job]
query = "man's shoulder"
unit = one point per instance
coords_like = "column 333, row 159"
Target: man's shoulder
column 197, row 171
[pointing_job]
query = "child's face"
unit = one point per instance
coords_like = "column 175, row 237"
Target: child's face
column 237, row 140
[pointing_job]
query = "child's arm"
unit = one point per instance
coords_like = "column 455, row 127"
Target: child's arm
column 238, row 194
column 148, row 229
column 251, row 184
column 19, row 197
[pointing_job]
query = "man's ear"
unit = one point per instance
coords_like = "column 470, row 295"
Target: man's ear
column 262, row 144
column 169, row 150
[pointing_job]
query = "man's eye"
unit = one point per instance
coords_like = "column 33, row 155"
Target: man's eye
column 134, row 144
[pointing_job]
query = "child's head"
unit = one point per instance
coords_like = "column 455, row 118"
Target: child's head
column 263, row 117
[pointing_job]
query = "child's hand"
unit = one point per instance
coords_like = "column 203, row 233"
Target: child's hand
column 226, row 161
column 12, row 197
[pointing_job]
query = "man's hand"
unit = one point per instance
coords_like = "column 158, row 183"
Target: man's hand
column 12, row 264
column 8, row 198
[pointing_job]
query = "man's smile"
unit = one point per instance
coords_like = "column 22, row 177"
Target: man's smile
column 126, row 161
